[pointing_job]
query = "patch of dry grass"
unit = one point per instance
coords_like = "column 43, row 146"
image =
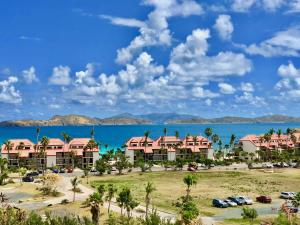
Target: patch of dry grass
column 211, row 184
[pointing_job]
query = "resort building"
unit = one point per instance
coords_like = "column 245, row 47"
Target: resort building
column 254, row 143
column 168, row 148
column 25, row 153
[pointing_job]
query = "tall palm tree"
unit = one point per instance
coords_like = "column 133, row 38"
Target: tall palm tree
column 93, row 133
column 232, row 139
column 67, row 138
column 21, row 146
column 288, row 133
column 146, row 135
column 271, row 131
column 267, row 138
column 150, row 188
column 44, row 144
column 190, row 180
column 177, row 134
column 75, row 182
column 90, row 146
column 37, row 133
column 195, row 139
column 215, row 138
column 279, row 133
column 8, row 146
column 208, row 132
column 165, row 131
column 111, row 191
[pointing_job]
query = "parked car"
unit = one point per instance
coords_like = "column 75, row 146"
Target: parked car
column 237, row 200
column 62, row 170
column 267, row 165
column 247, row 200
column 70, row 170
column 55, row 171
column 28, row 179
column 33, row 174
column 287, row 195
column 230, row 203
column 264, row 199
column 219, row 203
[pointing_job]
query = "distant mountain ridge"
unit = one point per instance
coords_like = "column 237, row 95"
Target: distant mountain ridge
column 153, row 118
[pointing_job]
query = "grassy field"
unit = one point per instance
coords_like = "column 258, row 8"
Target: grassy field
column 211, row 184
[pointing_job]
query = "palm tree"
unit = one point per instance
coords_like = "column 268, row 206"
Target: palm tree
column 195, row 139
column 149, row 190
column 232, row 139
column 3, row 170
column 8, row 146
column 165, row 131
column 90, row 146
column 44, row 144
column 208, row 132
column 75, row 182
column 279, row 133
column 38, row 131
column 125, row 200
column 93, row 133
column 111, row 191
column 268, row 137
column 177, row 134
column 215, row 138
column 96, row 199
column 86, row 172
column 146, row 134
column 189, row 180
column 67, row 138
column 220, row 144
column 271, row 131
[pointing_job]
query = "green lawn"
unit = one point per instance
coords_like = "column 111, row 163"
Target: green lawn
column 211, row 184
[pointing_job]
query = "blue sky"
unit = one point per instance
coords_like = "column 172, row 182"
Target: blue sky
column 101, row 58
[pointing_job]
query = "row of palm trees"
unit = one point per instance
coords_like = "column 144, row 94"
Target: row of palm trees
column 124, row 198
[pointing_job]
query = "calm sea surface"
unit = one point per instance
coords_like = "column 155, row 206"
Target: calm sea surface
column 116, row 135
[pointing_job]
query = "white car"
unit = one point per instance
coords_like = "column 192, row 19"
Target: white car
column 230, row 203
column 247, row 200
column 267, row 165
column 287, row 195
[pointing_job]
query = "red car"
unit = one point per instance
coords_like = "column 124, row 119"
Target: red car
column 264, row 199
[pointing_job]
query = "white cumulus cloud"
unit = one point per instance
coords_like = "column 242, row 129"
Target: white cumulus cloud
column 190, row 64
column 154, row 31
column 226, row 88
column 30, row 75
column 224, row 26
column 283, row 43
column 8, row 93
column 60, row 76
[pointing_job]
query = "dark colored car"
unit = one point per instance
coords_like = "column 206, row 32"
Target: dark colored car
column 70, row 170
column 62, row 170
column 55, row 171
column 237, row 200
column 33, row 174
column 28, row 179
column 264, row 199
column 219, row 203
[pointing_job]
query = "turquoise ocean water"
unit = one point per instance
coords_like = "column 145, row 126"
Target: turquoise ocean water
column 116, row 135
